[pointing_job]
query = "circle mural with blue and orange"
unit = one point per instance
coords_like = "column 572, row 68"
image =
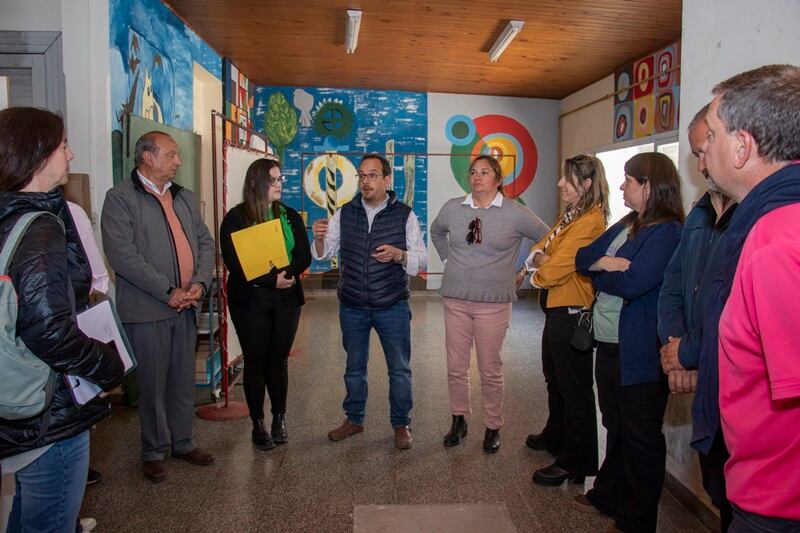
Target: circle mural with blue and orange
column 496, row 135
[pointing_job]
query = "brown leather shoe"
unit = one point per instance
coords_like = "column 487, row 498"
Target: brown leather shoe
column 154, row 470
column 347, row 429
column 582, row 504
column 196, row 457
column 402, row 437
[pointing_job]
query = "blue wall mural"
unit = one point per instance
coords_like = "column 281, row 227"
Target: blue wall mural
column 320, row 134
column 152, row 52
column 151, row 66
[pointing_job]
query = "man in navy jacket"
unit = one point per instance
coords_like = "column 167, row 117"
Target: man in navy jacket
column 680, row 315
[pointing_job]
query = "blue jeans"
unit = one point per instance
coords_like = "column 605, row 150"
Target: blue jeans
column 393, row 326
column 50, row 489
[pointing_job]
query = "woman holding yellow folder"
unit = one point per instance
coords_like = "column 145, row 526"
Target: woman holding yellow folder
column 266, row 310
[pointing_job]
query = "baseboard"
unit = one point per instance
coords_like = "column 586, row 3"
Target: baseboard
column 693, row 504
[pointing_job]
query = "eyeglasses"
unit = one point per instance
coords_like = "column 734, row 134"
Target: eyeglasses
column 280, row 179
column 474, row 235
column 371, row 176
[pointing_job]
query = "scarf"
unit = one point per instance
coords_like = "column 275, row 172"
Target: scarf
column 288, row 236
column 570, row 214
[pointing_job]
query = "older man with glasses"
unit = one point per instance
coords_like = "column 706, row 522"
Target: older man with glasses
column 382, row 245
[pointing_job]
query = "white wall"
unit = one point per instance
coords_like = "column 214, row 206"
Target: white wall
column 84, row 31
column 722, row 38
column 207, row 95
column 30, row 15
column 4, row 96
column 86, row 70
column 584, row 129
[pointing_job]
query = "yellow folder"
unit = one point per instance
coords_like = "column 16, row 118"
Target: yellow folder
column 260, row 248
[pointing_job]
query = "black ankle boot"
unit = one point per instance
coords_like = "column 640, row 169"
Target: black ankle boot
column 458, row 432
column 279, row 434
column 491, row 440
column 260, row 435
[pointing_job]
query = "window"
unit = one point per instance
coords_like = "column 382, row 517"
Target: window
column 614, row 164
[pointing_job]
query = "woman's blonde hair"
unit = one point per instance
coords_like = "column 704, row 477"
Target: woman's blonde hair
column 580, row 168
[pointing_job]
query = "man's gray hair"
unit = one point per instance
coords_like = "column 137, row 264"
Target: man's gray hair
column 146, row 143
column 699, row 117
column 765, row 102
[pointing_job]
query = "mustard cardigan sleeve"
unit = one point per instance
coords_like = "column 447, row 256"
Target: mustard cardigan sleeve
column 561, row 264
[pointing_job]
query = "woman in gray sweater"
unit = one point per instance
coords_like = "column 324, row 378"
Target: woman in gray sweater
column 478, row 238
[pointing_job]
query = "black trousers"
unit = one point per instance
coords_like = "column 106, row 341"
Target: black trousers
column 266, row 336
column 571, row 430
column 745, row 522
column 712, row 467
column 628, row 486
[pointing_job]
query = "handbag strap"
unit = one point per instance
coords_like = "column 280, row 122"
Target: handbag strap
column 15, row 237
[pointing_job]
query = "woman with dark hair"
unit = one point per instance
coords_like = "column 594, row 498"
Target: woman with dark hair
column 626, row 265
column 571, row 430
column 266, row 310
column 478, row 237
column 51, row 276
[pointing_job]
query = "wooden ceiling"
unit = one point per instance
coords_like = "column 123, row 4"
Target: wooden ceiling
column 434, row 46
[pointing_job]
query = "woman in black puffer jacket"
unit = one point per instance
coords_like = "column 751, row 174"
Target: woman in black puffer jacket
column 52, row 278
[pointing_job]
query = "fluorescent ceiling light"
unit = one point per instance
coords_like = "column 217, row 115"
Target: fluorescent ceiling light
column 351, row 33
column 512, row 29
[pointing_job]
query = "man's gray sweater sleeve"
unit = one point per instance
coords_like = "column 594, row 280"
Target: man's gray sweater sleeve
column 118, row 243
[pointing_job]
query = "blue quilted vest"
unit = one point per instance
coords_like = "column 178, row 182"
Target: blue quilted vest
column 365, row 283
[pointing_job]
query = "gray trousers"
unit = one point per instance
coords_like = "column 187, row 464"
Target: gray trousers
column 164, row 352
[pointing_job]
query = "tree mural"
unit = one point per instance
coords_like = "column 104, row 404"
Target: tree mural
column 280, row 124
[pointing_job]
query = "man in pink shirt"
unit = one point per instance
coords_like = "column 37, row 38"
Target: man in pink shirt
column 753, row 151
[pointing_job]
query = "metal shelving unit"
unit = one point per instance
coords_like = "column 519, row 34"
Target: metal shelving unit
column 208, row 350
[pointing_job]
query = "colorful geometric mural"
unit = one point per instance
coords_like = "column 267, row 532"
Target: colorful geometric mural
column 239, row 95
column 497, row 135
column 320, row 135
column 647, row 97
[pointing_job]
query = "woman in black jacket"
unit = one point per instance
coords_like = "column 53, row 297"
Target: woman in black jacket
column 52, row 278
column 266, row 309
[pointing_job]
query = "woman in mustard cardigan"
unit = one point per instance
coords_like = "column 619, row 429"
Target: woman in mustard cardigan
column 571, row 431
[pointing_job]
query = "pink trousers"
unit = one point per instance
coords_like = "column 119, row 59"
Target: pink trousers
column 484, row 325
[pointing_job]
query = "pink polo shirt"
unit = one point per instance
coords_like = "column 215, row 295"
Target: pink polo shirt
column 759, row 369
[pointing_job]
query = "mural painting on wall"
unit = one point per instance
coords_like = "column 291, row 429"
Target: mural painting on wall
column 320, row 134
column 497, row 135
column 151, row 80
column 239, row 98
column 152, row 53
column 647, row 95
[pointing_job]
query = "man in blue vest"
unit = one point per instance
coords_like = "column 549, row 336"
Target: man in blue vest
column 381, row 246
